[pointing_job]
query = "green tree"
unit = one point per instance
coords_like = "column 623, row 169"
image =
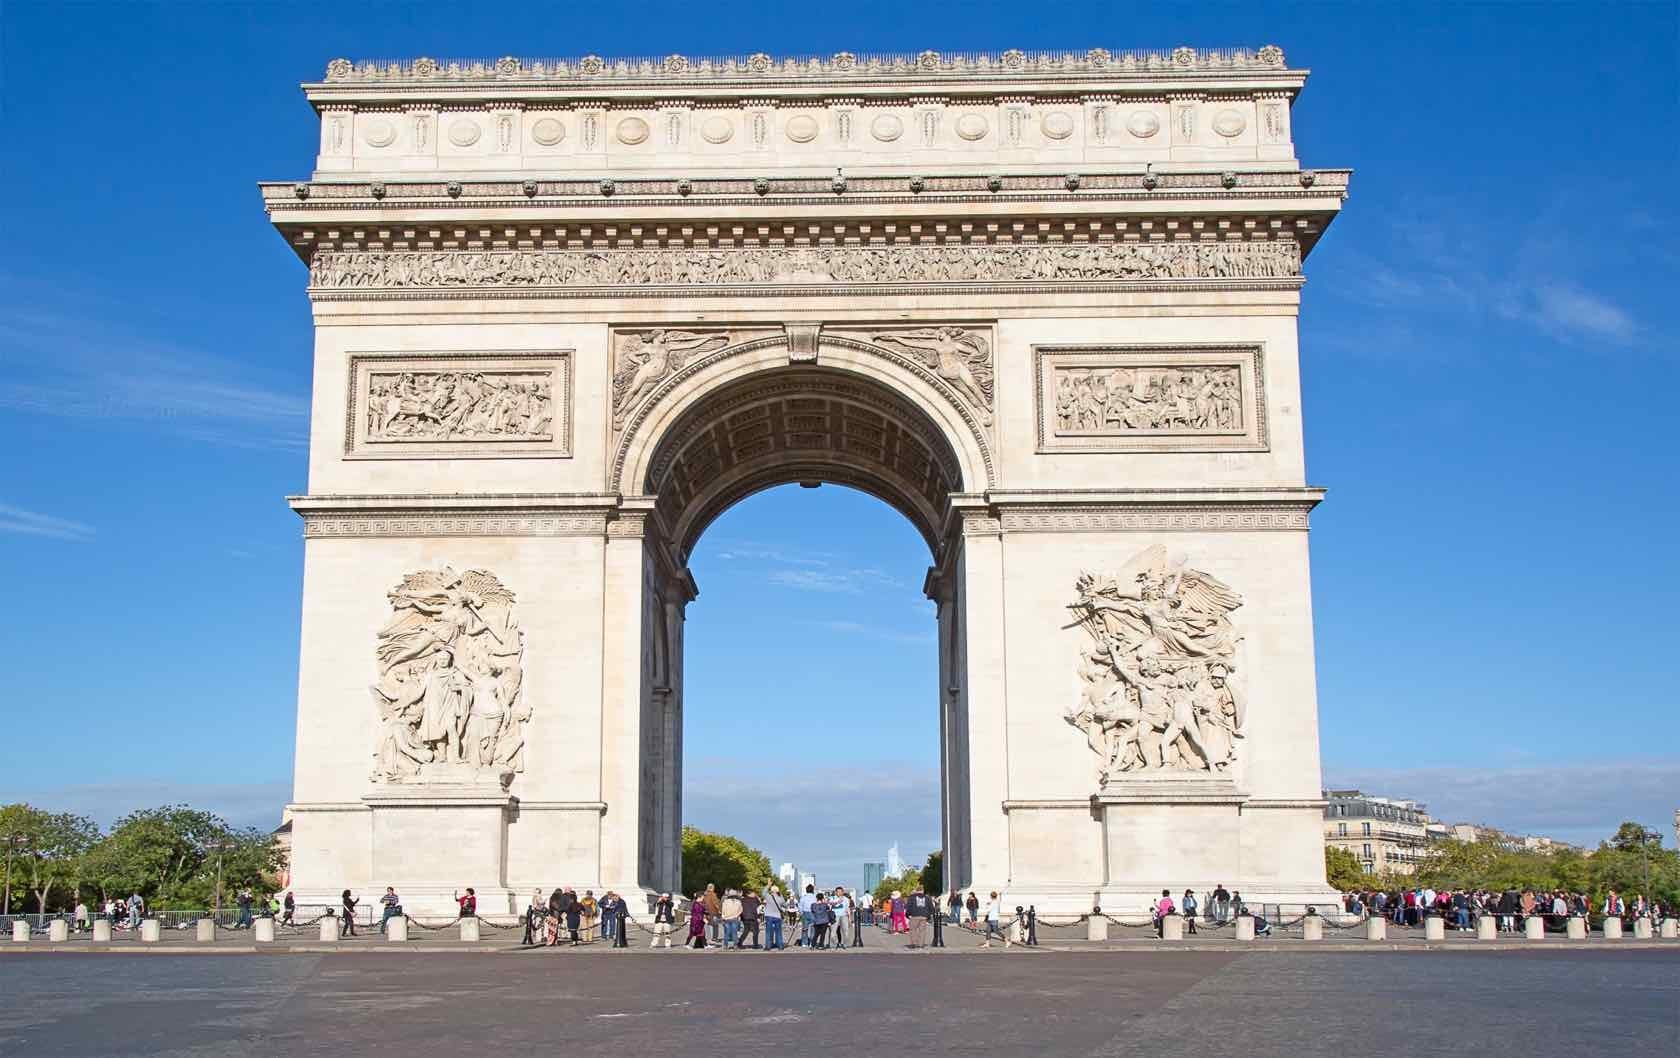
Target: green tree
column 721, row 860
column 903, row 883
column 170, row 855
column 44, row 850
column 933, row 872
column 1343, row 870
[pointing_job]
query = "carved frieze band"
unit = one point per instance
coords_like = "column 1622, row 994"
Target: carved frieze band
column 1151, row 398
column 1165, row 518
column 453, row 523
column 458, row 405
column 574, row 271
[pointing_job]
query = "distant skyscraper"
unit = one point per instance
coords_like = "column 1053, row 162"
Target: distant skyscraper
column 788, row 875
column 895, row 866
column 872, row 875
column 806, row 878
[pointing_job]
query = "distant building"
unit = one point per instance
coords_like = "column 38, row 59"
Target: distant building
column 1386, row 835
column 806, row 878
column 1507, row 840
column 895, row 865
column 788, row 875
column 872, row 875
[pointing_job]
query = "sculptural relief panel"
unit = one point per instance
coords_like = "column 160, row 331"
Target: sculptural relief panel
column 451, row 677
column 1151, row 398
column 1159, row 687
column 749, row 267
column 409, row 406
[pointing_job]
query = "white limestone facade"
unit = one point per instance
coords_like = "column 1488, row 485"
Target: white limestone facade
column 568, row 312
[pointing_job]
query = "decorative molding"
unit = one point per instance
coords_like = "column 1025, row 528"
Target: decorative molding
column 374, row 523
column 1212, row 517
column 459, row 405
column 619, row 268
column 1150, row 398
column 845, row 67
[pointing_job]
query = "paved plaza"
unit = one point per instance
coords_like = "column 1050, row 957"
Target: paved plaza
column 1279, row 1000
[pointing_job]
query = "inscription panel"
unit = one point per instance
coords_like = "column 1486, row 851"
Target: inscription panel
column 1150, row 398
column 457, row 404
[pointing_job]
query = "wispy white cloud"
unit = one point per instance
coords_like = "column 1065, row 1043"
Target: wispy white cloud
column 1580, row 802
column 850, row 581
column 749, row 552
column 885, row 635
column 1570, row 310
column 74, row 367
column 34, row 523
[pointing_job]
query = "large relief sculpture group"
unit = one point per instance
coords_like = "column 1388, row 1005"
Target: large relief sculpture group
column 1159, row 690
column 459, row 406
column 450, row 680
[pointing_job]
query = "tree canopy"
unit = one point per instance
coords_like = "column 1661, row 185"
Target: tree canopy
column 721, row 860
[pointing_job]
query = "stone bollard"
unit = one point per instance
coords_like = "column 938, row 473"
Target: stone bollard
column 1096, row 927
column 58, row 931
column 1612, row 928
column 1312, row 928
column 1576, row 927
column 396, row 929
column 263, row 931
column 1534, row 927
column 1434, row 927
column 1670, row 929
column 20, row 931
column 206, row 929
column 329, row 929
column 151, row 930
column 1487, row 928
column 1245, row 927
column 469, row 930
column 1376, row 928
column 1172, row 928
column 1642, row 928
column 102, row 931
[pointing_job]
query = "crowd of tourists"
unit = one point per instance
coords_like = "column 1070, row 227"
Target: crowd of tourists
column 1511, row 908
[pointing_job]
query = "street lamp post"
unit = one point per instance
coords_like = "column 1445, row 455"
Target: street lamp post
column 14, row 844
column 216, row 911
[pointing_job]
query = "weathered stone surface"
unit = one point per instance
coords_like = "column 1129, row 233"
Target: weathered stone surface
column 559, row 331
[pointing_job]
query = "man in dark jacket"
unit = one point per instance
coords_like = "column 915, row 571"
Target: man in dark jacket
column 749, row 919
column 919, row 910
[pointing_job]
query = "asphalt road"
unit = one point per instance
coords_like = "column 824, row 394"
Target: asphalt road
column 695, row 1004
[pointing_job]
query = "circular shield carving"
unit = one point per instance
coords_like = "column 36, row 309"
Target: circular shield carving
column 972, row 126
column 464, row 132
column 632, row 131
column 802, row 128
column 1143, row 124
column 887, row 128
column 548, row 131
column 1058, row 125
column 717, row 130
column 1229, row 123
column 379, row 133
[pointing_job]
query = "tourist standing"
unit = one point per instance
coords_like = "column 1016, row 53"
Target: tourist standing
column 697, row 919
column 588, row 909
column 953, row 908
column 806, row 903
column 730, row 913
column 347, row 928
column 775, row 910
column 972, row 906
column 290, row 906
column 574, row 916
column 713, row 907
column 919, row 910
column 533, row 916
column 749, row 919
column 895, row 907
column 1220, row 905
column 994, row 910
column 664, row 918
column 841, row 906
column 1189, row 909
column 610, row 910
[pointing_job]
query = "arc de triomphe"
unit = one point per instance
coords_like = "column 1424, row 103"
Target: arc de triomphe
column 566, row 313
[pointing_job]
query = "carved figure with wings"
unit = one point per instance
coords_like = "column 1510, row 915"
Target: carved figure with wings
column 1164, row 643
column 647, row 358
column 957, row 355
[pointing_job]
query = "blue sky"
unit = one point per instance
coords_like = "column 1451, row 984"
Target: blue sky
column 1489, row 360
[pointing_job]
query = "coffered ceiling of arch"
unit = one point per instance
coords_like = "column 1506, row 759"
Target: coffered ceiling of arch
column 802, row 425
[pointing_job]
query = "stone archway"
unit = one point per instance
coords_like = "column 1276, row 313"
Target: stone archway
column 742, row 427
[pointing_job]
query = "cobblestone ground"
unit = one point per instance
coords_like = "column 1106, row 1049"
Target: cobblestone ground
column 439, row 998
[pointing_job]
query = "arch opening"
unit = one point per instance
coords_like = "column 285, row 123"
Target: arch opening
column 789, row 424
